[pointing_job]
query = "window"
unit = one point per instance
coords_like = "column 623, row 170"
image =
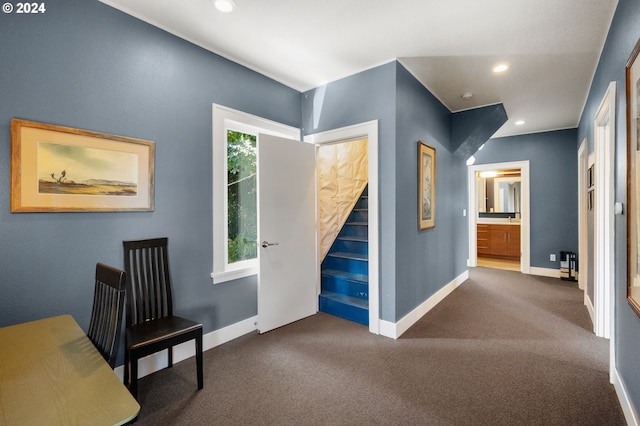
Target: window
column 235, row 190
column 242, row 217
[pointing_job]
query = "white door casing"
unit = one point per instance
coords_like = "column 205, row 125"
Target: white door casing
column 525, row 220
column 604, row 144
column 288, row 277
column 368, row 130
column 583, row 245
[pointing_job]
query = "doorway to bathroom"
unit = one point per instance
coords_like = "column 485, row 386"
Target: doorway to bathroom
column 499, row 219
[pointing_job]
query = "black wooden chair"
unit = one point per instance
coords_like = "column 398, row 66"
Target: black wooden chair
column 106, row 314
column 151, row 325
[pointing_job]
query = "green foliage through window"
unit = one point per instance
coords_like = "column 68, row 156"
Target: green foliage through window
column 242, row 220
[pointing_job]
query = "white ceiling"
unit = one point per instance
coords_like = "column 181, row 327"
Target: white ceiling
column 551, row 46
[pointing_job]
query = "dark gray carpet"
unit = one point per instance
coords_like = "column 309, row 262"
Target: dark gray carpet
column 502, row 349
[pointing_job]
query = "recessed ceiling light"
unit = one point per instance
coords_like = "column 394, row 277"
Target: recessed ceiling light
column 500, row 68
column 225, row 6
column 467, row 95
column 519, row 123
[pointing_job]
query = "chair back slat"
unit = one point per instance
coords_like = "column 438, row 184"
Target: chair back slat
column 107, row 309
column 148, row 280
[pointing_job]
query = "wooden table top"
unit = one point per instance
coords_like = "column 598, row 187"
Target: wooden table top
column 50, row 374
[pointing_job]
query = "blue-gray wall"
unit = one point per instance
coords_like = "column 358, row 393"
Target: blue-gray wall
column 622, row 37
column 426, row 260
column 553, row 180
column 86, row 65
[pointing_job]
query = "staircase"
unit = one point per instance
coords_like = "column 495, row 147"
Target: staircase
column 345, row 269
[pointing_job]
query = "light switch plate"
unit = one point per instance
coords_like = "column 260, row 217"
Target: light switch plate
column 617, row 208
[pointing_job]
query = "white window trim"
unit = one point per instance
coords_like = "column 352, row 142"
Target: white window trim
column 223, row 119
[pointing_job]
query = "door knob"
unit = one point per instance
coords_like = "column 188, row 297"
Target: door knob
column 266, row 244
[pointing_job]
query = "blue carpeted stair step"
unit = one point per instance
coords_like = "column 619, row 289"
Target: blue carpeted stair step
column 359, row 216
column 354, row 238
column 355, row 229
column 349, row 255
column 363, row 203
column 356, row 263
column 347, row 307
column 351, row 245
column 347, row 283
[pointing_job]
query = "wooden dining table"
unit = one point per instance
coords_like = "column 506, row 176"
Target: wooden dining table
column 51, row 374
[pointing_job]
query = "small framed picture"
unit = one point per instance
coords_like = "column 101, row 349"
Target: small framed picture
column 426, row 186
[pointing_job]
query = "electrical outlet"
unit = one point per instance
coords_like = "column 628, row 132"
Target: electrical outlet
column 552, row 257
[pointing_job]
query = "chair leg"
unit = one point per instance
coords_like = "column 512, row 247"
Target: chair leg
column 199, row 359
column 133, row 386
column 126, row 367
column 170, row 357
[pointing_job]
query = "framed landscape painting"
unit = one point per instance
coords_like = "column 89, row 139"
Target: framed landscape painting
column 63, row 169
column 426, row 186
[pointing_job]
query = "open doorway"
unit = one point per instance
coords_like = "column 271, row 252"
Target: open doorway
column 369, row 131
column 499, row 219
column 498, row 223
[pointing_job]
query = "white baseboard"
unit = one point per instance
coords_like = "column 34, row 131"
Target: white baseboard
column 395, row 330
column 628, row 409
column 158, row 361
column 544, row 272
column 590, row 308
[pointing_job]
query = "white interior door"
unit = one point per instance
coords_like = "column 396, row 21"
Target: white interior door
column 287, row 281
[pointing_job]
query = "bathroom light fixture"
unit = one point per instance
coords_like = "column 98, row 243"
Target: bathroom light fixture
column 499, row 173
column 467, row 95
column 519, row 122
column 225, row 6
column 500, row 68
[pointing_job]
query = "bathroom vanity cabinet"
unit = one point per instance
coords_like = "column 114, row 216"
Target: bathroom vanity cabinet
column 498, row 240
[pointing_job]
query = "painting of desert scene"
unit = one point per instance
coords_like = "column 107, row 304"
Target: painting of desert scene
column 81, row 170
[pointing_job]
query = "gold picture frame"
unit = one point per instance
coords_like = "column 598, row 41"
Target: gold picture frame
column 64, row 169
column 633, row 179
column 426, row 186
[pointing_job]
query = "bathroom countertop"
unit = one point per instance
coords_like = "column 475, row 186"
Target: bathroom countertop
column 498, row 221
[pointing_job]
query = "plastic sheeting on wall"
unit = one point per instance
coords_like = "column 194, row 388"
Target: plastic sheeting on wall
column 342, row 176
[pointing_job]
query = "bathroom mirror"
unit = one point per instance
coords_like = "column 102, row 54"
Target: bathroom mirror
column 499, row 191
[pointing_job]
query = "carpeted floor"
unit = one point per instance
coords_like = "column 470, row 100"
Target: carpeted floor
column 502, row 349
